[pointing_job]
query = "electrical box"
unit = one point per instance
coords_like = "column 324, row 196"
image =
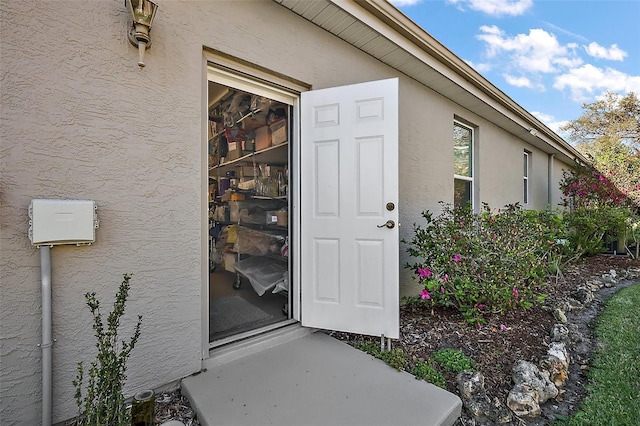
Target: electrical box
column 55, row 222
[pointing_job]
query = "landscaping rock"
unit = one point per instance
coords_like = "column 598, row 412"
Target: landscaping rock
column 560, row 333
column 476, row 401
column 522, row 402
column 583, row 294
column 559, row 315
column 556, row 363
column 526, row 373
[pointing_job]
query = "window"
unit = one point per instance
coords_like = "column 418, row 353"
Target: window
column 525, row 193
column 462, row 165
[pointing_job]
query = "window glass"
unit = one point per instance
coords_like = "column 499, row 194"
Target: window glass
column 461, row 193
column 462, row 151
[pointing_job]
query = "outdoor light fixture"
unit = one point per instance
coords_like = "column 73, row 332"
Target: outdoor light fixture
column 533, row 132
column 142, row 12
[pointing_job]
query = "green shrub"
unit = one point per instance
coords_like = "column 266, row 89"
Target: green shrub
column 591, row 227
column 104, row 403
column 426, row 371
column 484, row 263
column 453, row 360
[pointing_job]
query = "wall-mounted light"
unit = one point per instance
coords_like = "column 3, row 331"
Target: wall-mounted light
column 533, row 132
column 142, row 12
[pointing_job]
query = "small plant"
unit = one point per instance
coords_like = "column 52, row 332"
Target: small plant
column 396, row 357
column 103, row 402
column 453, row 360
column 426, row 371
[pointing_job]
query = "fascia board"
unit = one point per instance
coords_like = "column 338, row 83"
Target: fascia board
column 391, row 23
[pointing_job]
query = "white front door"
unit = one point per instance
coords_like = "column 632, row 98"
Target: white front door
column 349, row 191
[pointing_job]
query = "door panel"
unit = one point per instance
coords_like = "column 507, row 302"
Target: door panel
column 349, row 172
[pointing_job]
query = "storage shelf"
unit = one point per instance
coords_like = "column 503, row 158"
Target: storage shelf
column 276, row 154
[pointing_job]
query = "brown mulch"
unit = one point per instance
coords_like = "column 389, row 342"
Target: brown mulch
column 524, row 335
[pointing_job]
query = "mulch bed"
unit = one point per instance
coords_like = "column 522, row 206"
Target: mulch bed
column 496, row 349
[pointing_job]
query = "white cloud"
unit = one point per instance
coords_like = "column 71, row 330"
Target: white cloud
column 550, row 121
column 588, row 80
column 564, row 31
column 536, row 52
column 522, row 82
column 480, row 66
column 495, row 7
column 614, row 53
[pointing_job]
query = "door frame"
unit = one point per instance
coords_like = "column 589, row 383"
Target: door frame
column 226, row 69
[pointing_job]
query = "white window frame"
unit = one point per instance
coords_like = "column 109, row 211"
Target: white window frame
column 471, row 164
column 525, row 186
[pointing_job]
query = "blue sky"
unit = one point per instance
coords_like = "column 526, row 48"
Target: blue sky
column 550, row 56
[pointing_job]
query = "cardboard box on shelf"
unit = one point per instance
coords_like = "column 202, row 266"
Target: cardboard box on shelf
column 235, row 150
column 263, row 138
column 279, row 132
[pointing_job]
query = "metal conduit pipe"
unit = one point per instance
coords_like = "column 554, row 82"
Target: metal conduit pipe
column 47, row 341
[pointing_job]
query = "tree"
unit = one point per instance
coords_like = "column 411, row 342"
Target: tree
column 608, row 132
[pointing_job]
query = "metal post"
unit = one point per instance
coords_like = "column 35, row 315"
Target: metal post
column 47, row 341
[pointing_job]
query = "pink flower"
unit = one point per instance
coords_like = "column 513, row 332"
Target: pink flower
column 515, row 293
column 503, row 327
column 456, row 257
column 442, row 290
column 600, row 178
column 446, row 277
column 425, row 294
column 480, row 306
column 424, row 272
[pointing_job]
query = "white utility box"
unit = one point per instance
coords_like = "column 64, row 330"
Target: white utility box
column 54, row 222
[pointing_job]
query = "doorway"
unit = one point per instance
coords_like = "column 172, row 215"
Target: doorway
column 249, row 150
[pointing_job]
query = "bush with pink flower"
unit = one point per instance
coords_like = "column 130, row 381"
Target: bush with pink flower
column 484, row 263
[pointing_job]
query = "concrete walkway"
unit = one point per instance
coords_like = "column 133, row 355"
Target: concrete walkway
column 313, row 379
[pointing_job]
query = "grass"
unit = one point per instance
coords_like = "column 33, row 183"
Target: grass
column 613, row 388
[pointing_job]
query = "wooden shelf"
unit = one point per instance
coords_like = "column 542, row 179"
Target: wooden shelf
column 276, row 154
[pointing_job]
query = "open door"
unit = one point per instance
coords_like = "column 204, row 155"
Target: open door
column 349, row 208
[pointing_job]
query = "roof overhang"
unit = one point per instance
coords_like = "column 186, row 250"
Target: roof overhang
column 384, row 32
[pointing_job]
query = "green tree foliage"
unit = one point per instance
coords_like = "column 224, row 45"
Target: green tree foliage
column 608, row 132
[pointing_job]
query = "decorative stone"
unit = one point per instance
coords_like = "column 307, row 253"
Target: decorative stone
column 559, row 315
column 583, row 294
column 522, row 402
column 559, row 333
column 633, row 273
column 476, row 401
column 558, row 373
column 526, row 373
column 559, row 351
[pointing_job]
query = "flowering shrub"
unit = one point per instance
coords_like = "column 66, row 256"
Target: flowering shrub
column 585, row 186
column 599, row 212
column 484, row 263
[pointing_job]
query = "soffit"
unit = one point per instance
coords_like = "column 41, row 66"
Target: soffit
column 381, row 30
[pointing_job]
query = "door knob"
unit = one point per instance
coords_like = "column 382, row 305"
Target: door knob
column 389, row 224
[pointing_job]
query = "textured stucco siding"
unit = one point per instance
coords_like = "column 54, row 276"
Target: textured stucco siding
column 81, row 121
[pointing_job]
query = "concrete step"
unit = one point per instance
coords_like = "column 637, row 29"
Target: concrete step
column 312, row 379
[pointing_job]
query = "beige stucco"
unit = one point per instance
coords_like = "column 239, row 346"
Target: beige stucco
column 81, row 121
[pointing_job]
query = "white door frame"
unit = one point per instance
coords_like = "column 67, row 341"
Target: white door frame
column 226, row 70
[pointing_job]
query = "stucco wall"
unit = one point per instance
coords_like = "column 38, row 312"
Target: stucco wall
column 81, row 121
